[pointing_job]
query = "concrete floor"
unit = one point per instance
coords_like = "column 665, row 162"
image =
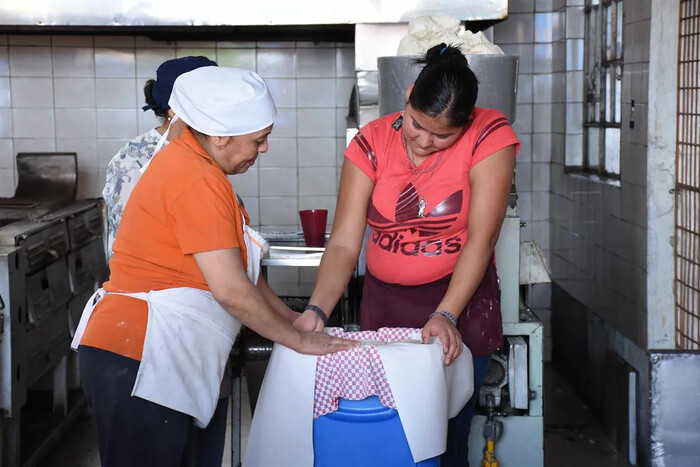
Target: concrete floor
column 572, row 436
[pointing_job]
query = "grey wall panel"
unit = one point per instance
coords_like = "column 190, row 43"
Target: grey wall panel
column 675, row 409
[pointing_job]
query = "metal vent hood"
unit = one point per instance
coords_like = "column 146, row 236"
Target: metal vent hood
column 117, row 13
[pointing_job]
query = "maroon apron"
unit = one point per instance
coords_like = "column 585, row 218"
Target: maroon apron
column 395, row 305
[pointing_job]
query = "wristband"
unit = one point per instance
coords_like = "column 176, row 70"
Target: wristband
column 446, row 314
column 319, row 312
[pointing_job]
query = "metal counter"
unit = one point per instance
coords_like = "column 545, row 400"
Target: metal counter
column 298, row 256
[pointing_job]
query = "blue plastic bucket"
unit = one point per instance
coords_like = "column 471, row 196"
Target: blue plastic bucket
column 363, row 434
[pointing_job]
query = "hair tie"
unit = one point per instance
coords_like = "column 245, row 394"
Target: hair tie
column 443, row 50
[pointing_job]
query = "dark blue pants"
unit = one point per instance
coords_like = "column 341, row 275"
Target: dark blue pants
column 457, row 454
column 209, row 444
column 131, row 431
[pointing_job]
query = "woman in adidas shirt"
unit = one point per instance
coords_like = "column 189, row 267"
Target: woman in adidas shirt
column 432, row 182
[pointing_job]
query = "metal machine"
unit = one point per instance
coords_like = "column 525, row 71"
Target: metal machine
column 510, row 411
column 51, row 260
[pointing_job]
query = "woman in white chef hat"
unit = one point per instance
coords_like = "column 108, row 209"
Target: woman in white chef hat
column 184, row 276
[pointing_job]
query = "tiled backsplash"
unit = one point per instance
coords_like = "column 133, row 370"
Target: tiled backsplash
column 83, row 94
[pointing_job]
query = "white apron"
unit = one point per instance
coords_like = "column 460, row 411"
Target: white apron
column 189, row 337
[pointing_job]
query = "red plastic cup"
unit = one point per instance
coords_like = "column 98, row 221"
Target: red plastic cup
column 313, row 223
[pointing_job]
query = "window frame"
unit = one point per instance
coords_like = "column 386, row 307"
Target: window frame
column 602, row 103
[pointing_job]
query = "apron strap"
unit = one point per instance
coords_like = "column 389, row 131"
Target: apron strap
column 161, row 143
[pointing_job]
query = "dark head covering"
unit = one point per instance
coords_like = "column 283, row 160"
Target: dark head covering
column 166, row 74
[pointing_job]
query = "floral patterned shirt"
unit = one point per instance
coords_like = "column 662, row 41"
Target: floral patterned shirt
column 123, row 172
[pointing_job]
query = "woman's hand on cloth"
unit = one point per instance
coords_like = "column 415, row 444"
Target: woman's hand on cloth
column 308, row 321
column 319, row 343
column 441, row 327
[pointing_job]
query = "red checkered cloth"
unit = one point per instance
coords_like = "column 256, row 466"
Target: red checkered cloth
column 357, row 373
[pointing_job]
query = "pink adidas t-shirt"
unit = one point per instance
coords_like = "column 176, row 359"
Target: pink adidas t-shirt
column 404, row 248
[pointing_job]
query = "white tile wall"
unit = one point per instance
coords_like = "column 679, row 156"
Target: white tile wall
column 146, row 120
column 316, row 93
column 316, row 122
column 542, row 86
column 317, row 181
column 574, row 54
column 574, row 86
column 283, row 91
column 32, row 122
column 236, row 57
column 282, row 152
column 115, row 63
column 278, row 210
column 74, row 92
column 30, row 61
column 246, row 184
column 34, row 144
column 525, row 89
column 517, row 29
column 541, row 118
column 4, row 61
column 525, row 52
column 543, row 62
column 76, row 123
column 86, row 149
column 7, row 156
column 286, row 123
column 316, row 63
column 544, row 27
column 148, row 60
column 6, row 123
column 7, row 182
column 73, row 61
column 523, row 176
column 523, row 119
column 117, row 93
column 345, row 62
column 317, row 152
column 31, row 92
column 276, row 63
column 279, row 181
column 117, row 123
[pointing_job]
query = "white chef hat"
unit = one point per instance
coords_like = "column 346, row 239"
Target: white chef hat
column 221, row 101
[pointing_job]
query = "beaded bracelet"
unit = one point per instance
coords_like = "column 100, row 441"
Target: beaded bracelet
column 446, row 314
column 319, row 312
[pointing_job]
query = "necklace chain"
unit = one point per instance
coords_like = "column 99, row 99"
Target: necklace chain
column 422, row 204
column 412, row 165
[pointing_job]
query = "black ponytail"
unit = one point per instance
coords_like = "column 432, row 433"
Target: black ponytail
column 446, row 86
column 148, row 94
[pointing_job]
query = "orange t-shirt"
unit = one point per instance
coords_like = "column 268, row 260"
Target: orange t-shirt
column 404, row 248
column 183, row 204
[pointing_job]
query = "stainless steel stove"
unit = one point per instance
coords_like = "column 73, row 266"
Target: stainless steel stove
column 51, row 260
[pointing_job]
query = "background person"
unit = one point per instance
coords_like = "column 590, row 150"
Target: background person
column 432, row 182
column 123, row 170
column 184, row 276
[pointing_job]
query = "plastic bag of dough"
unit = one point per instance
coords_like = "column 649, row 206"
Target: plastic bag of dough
column 427, row 31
